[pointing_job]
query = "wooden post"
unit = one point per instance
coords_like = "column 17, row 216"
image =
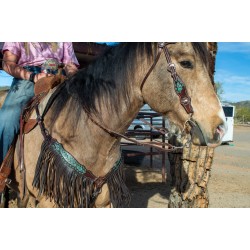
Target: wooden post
column 190, row 171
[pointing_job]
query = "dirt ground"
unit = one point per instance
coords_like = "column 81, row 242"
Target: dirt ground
column 229, row 184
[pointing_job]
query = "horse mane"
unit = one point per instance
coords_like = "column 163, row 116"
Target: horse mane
column 108, row 79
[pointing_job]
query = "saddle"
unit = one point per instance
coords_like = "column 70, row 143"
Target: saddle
column 27, row 123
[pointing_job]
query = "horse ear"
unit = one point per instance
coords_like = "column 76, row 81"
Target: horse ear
column 212, row 49
column 47, row 83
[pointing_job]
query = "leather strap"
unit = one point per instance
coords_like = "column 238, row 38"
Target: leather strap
column 161, row 146
column 185, row 99
column 41, row 89
column 151, row 68
column 5, row 168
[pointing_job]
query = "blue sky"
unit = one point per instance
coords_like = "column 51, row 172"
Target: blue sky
column 232, row 70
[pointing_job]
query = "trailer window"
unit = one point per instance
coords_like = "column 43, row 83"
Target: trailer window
column 228, row 111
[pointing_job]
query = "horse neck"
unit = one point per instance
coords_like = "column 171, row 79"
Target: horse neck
column 127, row 111
column 97, row 149
column 94, row 146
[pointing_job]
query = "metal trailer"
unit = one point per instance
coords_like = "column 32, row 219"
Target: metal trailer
column 152, row 117
column 229, row 111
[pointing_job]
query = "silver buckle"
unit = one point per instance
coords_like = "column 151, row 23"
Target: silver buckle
column 50, row 65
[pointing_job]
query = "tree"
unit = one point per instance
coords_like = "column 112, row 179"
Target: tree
column 219, row 89
column 242, row 114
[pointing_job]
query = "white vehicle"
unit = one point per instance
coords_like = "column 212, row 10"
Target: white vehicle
column 229, row 111
column 150, row 116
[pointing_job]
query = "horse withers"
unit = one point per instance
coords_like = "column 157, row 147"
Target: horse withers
column 100, row 102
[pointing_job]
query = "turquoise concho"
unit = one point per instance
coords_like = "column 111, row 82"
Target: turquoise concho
column 179, row 86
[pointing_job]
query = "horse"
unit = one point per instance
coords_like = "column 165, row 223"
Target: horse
column 3, row 94
column 92, row 108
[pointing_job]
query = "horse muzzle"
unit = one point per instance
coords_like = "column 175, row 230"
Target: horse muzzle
column 201, row 138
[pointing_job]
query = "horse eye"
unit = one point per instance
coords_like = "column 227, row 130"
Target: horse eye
column 186, row 64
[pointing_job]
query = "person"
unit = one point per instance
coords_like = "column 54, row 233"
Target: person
column 28, row 62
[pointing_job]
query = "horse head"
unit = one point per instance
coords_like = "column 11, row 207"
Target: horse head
column 179, row 86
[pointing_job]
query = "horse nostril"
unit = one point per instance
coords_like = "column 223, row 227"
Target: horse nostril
column 221, row 130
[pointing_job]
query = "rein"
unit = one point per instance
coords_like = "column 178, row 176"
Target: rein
column 155, row 144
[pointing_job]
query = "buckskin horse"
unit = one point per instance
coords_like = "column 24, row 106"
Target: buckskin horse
column 73, row 159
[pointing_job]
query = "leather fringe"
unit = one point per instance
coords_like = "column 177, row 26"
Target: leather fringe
column 67, row 187
column 118, row 191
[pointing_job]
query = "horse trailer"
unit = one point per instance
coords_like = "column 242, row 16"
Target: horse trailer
column 229, row 111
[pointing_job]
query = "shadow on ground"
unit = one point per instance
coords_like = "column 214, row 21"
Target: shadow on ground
column 145, row 182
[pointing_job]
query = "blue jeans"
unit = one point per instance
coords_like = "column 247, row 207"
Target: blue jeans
column 21, row 91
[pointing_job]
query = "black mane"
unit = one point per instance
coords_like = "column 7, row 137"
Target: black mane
column 107, row 78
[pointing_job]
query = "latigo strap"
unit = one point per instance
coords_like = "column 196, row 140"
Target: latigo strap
column 5, row 169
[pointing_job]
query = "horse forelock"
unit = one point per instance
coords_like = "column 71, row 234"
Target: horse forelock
column 105, row 81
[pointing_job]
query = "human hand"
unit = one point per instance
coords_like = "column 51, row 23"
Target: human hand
column 70, row 69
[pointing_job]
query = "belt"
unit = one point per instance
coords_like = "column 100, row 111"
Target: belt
column 37, row 70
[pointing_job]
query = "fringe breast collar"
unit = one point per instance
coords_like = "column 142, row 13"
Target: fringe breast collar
column 60, row 177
